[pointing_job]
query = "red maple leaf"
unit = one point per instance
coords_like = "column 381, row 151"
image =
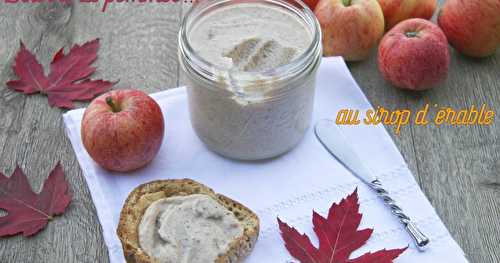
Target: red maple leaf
column 338, row 237
column 28, row 212
column 68, row 78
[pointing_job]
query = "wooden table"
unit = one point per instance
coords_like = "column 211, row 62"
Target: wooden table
column 457, row 167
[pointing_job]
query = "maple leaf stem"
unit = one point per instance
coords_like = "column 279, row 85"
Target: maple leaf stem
column 112, row 104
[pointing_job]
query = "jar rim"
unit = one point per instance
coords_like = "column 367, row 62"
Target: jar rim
column 213, row 72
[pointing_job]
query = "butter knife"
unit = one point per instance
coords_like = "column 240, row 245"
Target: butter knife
column 335, row 142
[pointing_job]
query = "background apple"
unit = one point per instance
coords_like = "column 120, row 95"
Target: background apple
column 311, row 3
column 122, row 130
column 396, row 11
column 351, row 28
column 414, row 55
column 472, row 26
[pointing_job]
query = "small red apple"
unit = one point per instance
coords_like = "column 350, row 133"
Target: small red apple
column 351, row 28
column 414, row 55
column 311, row 3
column 122, row 130
column 396, row 11
column 472, row 26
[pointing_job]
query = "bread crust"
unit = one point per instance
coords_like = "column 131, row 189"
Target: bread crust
column 142, row 196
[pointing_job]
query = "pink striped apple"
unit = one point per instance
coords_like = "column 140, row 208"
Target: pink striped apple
column 351, row 28
column 122, row 130
column 396, row 11
column 414, row 55
column 472, row 26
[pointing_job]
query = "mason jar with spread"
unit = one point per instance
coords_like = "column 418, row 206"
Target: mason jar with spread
column 251, row 69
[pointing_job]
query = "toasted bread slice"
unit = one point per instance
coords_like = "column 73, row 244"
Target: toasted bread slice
column 142, row 196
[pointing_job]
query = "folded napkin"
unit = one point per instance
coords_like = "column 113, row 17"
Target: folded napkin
column 290, row 187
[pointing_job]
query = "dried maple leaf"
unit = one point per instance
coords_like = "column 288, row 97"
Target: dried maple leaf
column 28, row 212
column 338, row 237
column 68, row 78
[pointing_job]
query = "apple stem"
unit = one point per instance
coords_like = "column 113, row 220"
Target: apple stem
column 346, row 2
column 411, row 34
column 112, row 104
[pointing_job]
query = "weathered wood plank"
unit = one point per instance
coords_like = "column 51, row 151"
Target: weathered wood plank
column 139, row 42
column 458, row 163
column 138, row 48
column 26, row 129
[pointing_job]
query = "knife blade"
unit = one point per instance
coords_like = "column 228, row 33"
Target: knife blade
column 336, row 143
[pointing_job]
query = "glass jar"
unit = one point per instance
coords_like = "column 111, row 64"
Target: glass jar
column 251, row 114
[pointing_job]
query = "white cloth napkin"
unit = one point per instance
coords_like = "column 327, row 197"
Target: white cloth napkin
column 290, row 187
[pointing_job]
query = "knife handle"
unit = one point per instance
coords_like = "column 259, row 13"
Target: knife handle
column 421, row 241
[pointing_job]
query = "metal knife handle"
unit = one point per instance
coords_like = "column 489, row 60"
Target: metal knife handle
column 421, row 241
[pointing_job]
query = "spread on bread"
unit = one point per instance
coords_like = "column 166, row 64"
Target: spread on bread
column 181, row 220
column 193, row 228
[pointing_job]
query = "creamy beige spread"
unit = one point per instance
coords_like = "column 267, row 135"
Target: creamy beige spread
column 193, row 228
column 250, row 37
column 255, row 121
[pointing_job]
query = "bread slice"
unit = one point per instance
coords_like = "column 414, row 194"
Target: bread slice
column 142, row 196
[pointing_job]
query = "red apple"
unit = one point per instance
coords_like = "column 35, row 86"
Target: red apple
column 414, row 55
column 396, row 11
column 472, row 26
column 311, row 3
column 351, row 28
column 122, row 130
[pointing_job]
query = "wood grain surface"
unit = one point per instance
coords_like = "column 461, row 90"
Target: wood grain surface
column 457, row 167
